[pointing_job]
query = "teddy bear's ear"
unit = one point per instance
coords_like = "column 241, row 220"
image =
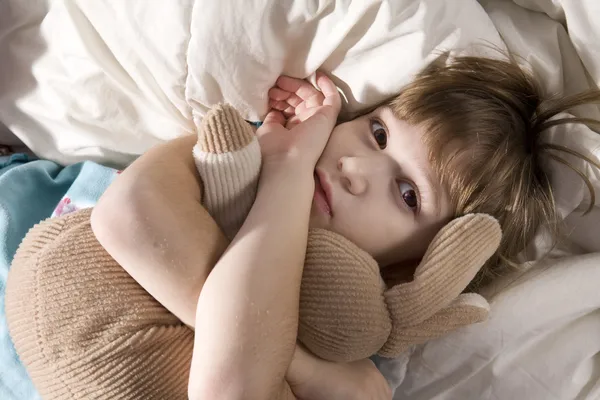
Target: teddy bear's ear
column 343, row 315
column 452, row 260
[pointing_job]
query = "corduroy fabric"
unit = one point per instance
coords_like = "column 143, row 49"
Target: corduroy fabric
column 348, row 313
column 83, row 327
column 343, row 315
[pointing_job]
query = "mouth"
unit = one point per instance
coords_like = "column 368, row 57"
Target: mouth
column 322, row 195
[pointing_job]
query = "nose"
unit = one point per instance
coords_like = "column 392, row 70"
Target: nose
column 353, row 174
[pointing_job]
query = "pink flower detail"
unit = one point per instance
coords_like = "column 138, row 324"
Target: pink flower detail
column 64, row 207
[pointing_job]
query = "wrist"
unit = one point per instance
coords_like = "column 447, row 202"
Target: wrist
column 285, row 172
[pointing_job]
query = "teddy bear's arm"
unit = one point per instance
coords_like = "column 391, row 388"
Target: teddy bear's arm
column 228, row 159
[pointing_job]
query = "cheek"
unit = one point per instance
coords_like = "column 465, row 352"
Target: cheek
column 402, row 248
column 380, row 233
column 419, row 240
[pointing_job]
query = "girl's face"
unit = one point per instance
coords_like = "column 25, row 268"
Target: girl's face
column 374, row 185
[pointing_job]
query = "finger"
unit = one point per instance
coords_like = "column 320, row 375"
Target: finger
column 292, row 122
column 300, row 87
column 319, row 125
column 283, row 106
column 279, row 105
column 279, row 94
column 330, row 91
column 315, row 100
column 302, row 110
column 289, row 112
column 274, row 117
column 310, row 104
column 305, row 113
column 293, row 100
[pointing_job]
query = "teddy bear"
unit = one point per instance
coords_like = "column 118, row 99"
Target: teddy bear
column 84, row 328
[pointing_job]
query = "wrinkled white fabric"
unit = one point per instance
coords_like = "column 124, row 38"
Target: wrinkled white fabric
column 106, row 80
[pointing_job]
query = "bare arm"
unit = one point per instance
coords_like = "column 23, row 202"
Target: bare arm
column 250, row 299
column 151, row 221
column 248, row 307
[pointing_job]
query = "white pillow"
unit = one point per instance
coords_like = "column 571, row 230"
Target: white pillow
column 107, row 80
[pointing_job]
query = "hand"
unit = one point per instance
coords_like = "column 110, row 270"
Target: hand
column 312, row 378
column 300, row 137
column 294, row 100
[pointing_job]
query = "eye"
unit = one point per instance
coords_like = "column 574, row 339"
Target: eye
column 379, row 134
column 409, row 195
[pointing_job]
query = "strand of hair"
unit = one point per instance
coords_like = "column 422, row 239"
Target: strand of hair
column 568, row 120
column 565, row 149
column 583, row 177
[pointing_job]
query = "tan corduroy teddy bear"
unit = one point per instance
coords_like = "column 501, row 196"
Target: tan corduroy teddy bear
column 346, row 310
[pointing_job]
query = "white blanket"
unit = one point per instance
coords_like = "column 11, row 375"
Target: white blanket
column 106, row 80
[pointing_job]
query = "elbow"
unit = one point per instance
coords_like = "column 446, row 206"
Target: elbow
column 208, row 381
column 111, row 217
column 102, row 219
column 231, row 391
column 200, row 390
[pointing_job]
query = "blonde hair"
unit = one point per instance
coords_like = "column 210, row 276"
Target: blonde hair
column 483, row 119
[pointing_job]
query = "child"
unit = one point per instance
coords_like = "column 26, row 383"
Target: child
column 463, row 137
